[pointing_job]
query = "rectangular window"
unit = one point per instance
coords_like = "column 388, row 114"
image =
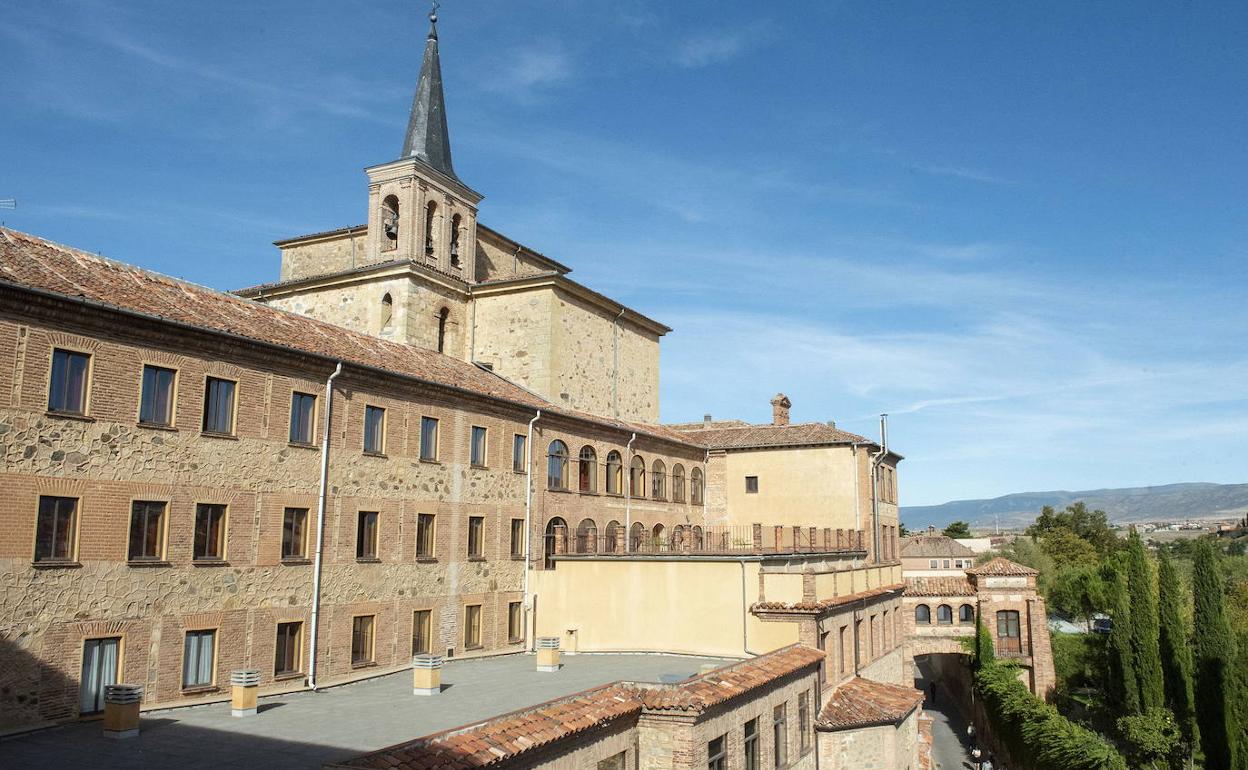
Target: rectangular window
column 803, row 721
column 717, row 753
column 295, row 533
column 219, row 406
column 751, row 744
column 302, row 413
column 842, row 646
column 751, row 485
column 362, row 639
column 156, row 398
column 472, row 626
column 517, row 453
column 478, row 446
column 209, row 532
column 56, row 528
column 428, row 438
column 366, row 535
column 517, row 538
column 67, row 389
column 147, row 531
column 424, row 535
column 422, row 641
column 780, row 735
column 476, row 537
column 946, row 564
column 374, row 430
column 197, row 659
column 286, row 658
column 933, row 564
column 515, row 630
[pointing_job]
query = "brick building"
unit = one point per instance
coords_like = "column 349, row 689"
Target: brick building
column 424, row 437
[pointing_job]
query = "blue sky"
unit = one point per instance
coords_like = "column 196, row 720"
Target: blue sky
column 1019, row 228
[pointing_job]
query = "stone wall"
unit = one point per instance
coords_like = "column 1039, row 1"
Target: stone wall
column 328, row 254
column 106, row 460
column 883, row 747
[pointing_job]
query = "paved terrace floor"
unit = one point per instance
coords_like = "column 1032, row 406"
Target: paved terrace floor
column 305, row 730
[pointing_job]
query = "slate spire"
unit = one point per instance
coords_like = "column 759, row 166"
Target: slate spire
column 427, row 138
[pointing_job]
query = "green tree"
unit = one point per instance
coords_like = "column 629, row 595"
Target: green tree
column 1092, row 526
column 1152, row 739
column 1213, row 648
column 1066, row 548
column 1078, row 592
column 957, row 529
column 1123, row 685
column 1146, row 658
column 902, row 530
column 1176, row 655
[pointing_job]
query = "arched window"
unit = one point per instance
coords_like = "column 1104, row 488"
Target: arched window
column 944, row 615
column 430, row 211
column 557, row 465
column 587, row 536
column 658, row 480
column 614, row 537
column 923, row 614
column 697, row 538
column 455, row 224
column 966, row 614
column 390, row 223
column 657, row 533
column 636, row 536
column 555, row 541
column 678, row 536
column 587, row 475
column 387, row 311
column 443, row 315
column 637, row 477
column 615, row 473
column 695, row 486
column 678, row 483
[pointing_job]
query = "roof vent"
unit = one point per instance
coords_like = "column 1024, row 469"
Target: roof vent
column 831, row 423
column 486, row 365
column 706, row 420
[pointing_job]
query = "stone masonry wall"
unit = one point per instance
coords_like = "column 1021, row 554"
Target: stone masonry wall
column 106, row 460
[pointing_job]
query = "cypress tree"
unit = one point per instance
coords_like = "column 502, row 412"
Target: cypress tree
column 1145, row 656
column 1176, row 655
column 1213, row 648
column 1124, row 691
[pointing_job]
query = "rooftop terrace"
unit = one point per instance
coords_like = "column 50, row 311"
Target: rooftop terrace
column 306, row 730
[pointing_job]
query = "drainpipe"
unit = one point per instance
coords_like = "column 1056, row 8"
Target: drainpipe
column 745, row 614
column 320, row 525
column 615, row 364
column 706, row 468
column 528, row 523
column 628, row 496
column 875, row 485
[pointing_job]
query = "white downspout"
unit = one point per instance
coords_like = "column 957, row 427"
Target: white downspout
column 875, row 486
column 528, row 523
column 628, row 496
column 320, row 525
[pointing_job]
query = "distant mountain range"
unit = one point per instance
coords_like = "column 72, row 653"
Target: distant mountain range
column 1169, row 502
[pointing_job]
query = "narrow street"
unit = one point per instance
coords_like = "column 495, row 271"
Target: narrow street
column 950, row 746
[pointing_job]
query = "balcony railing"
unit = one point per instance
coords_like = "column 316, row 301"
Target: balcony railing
column 698, row 539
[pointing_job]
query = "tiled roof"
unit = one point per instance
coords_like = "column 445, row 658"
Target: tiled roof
column 938, row 586
column 507, row 736
column 31, row 262
column 751, row 436
column 710, row 689
column 514, row 735
column 827, row 604
column 933, row 546
column 865, row 702
column 1002, row 566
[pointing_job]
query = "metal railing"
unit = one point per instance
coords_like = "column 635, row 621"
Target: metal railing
column 699, row 539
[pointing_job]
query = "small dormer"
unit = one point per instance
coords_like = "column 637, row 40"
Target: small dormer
column 419, row 210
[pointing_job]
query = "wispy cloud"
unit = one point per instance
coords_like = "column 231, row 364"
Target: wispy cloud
column 717, row 46
column 962, row 172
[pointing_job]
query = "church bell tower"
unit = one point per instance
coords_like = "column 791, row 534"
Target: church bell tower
column 418, row 209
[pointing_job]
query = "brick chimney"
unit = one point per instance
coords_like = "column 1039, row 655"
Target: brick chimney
column 780, row 409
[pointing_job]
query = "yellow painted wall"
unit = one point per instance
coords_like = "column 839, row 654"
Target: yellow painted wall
column 669, row 606
column 805, row 487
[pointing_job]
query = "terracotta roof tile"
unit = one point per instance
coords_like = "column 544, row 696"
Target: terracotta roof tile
column 832, row 603
column 511, row 736
column 933, row 546
column 31, row 262
column 751, row 436
column 1002, row 566
column 938, row 586
column 865, row 702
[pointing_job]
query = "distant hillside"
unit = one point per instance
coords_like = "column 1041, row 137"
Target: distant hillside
column 1172, row 501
